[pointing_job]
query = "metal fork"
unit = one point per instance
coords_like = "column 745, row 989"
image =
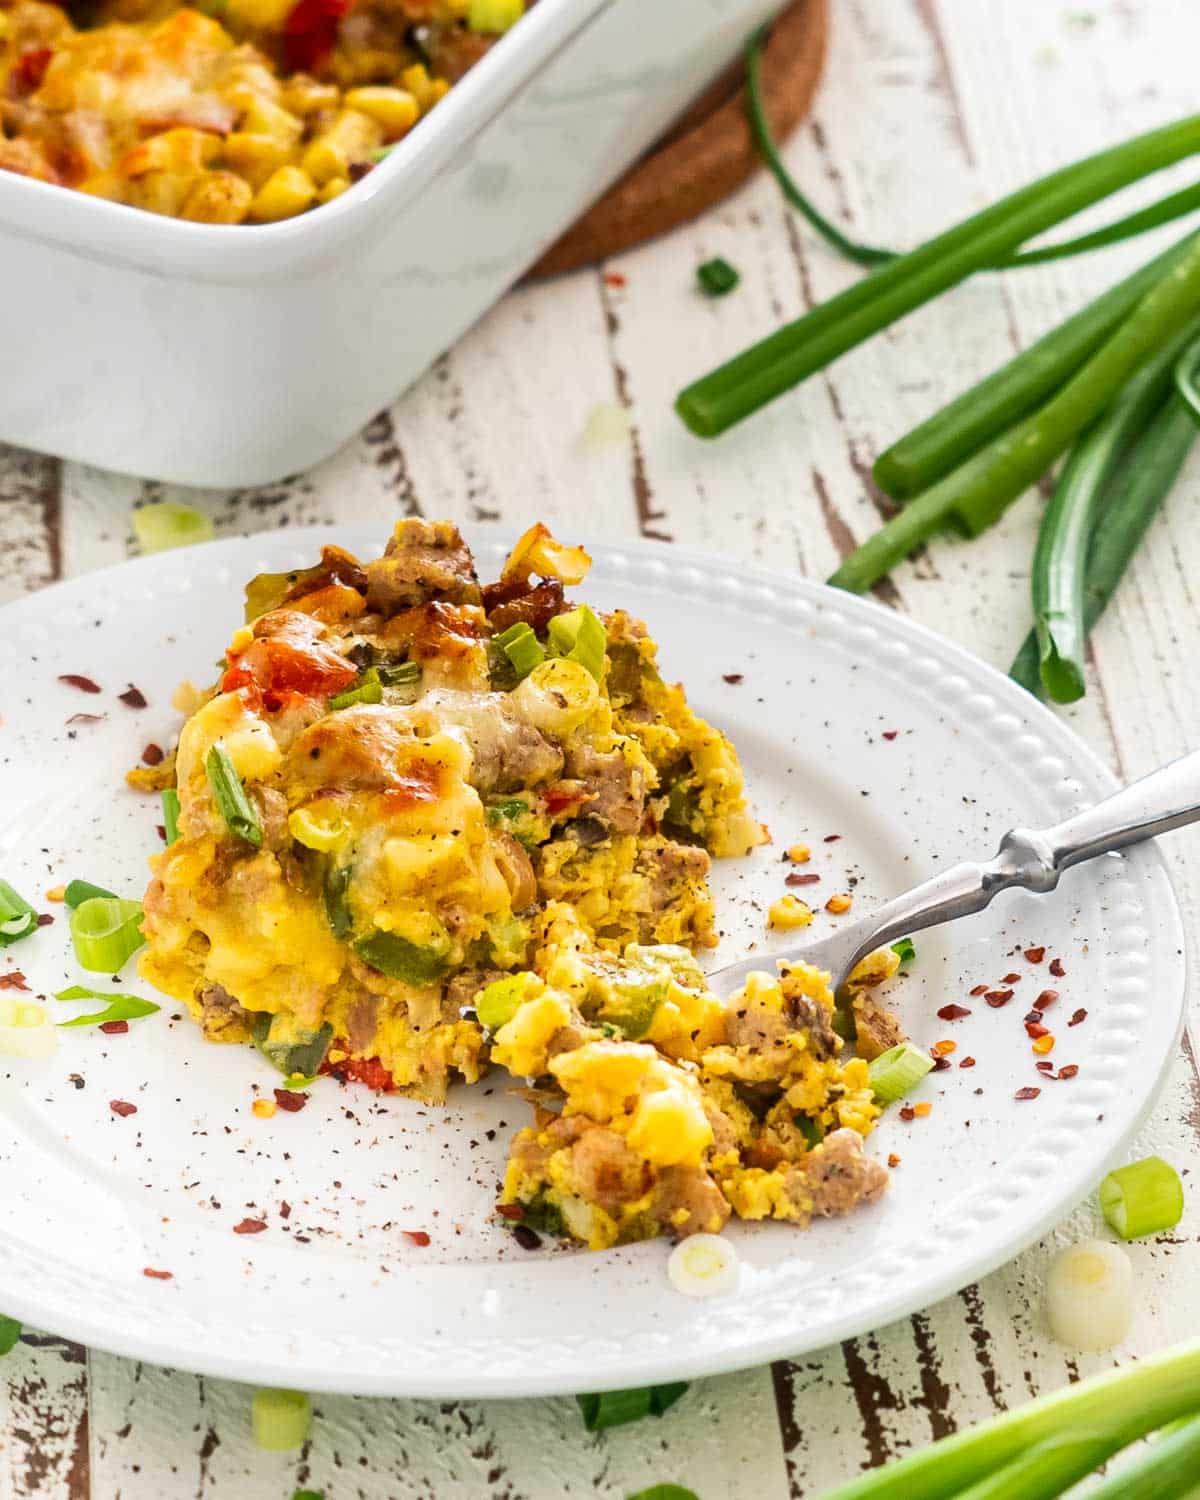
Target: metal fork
column 1028, row 859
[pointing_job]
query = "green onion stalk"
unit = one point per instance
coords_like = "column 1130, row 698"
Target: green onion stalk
column 1057, row 1435
column 978, row 492
column 779, row 362
column 1060, row 559
column 1137, row 495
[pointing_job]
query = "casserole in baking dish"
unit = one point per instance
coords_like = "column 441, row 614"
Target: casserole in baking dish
column 205, row 354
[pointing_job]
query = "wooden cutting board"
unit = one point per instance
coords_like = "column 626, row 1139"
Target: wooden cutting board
column 708, row 152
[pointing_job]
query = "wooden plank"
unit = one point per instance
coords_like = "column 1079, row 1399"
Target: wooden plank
column 44, row 1426
column 30, row 550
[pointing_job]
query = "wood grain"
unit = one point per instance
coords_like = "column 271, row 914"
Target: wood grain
column 930, row 108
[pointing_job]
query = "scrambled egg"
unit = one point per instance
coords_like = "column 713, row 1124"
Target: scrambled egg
column 428, row 826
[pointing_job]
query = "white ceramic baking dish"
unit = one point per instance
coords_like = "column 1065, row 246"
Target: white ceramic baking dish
column 219, row 355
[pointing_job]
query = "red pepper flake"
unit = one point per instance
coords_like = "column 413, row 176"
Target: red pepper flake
column 953, row 1012
column 890, row 734
column 416, row 1237
column 157, row 1275
column 153, row 754
column 997, row 998
column 798, row 879
column 1027, row 1093
column 1069, row 1071
column 733, row 678
column 1045, row 1000
column 86, row 719
column 84, row 684
column 250, row 1226
column 1056, row 968
column 940, row 1064
column 292, row 1102
column 114, row 1028
column 1034, row 1029
column 45, row 919
column 980, row 989
column 122, row 1107
column 907, row 1112
column 1033, row 1017
column 967, row 1062
column 285, row 1209
column 527, row 1238
column 357, row 170
column 1080, row 1015
column 1044, row 1065
column 831, row 838
column 510, row 1210
column 14, row 980
column 893, row 1160
column 614, row 278
column 132, row 696
column 1035, row 955
column 160, row 829
column 1011, row 979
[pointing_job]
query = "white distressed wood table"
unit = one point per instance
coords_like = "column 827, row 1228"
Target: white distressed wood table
column 930, row 108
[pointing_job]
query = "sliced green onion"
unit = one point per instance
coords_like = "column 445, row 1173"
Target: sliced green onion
column 297, row 1051
column 494, row 17
column 904, row 950
column 897, row 1071
column 1138, row 493
column 368, row 689
column 26, row 1029
column 117, row 1007
column 1145, row 1197
column 337, row 906
column 281, row 1419
column 522, row 648
column 296, row 1083
column 399, row 959
column 955, row 431
column 717, row 277
column 17, row 918
column 399, row 674
column 10, row 1334
column 106, row 932
column 579, row 636
column 497, row 1003
column 1166, row 1471
column 812, row 1130
column 79, row 891
column 165, row 525
column 309, row 1495
column 170, row 808
column 615, row 1408
column 240, row 814
column 665, row 1492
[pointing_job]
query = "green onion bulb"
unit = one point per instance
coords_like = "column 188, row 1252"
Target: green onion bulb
column 1089, row 1295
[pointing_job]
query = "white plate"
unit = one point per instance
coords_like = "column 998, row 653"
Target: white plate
column 333, row 1297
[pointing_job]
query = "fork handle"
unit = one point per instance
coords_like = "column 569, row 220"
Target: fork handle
column 1034, row 859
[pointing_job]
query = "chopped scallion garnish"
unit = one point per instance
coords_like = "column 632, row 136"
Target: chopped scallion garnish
column 494, row 17
column 17, row 918
column 79, row 891
column 897, row 1072
column 170, row 807
column 116, row 1007
column 369, row 687
column 580, row 637
column 665, row 1492
column 904, row 950
column 522, row 648
column 162, row 526
column 615, row 1408
column 10, row 1334
column 280, row 1419
column 106, row 932
column 497, row 1003
column 240, row 814
column 1145, row 1197
column 717, row 277
column 399, row 959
